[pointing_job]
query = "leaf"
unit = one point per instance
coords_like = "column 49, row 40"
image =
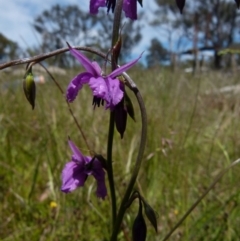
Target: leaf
column 129, row 106
column 151, row 215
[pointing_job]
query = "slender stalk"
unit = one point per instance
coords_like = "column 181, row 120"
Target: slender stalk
column 42, row 57
column 110, row 168
column 115, row 33
column 215, row 181
column 117, row 21
column 69, row 107
column 125, row 199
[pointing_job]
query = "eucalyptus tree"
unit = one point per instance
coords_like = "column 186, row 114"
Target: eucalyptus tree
column 208, row 25
column 61, row 24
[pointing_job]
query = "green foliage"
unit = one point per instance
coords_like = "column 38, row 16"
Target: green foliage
column 209, row 25
column 156, row 53
column 8, row 48
column 190, row 141
column 62, row 24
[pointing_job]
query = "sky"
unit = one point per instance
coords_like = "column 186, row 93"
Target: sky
column 16, row 17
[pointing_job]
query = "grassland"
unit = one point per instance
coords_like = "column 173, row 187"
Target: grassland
column 191, row 138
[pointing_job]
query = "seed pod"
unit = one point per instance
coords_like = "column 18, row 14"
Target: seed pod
column 180, row 4
column 29, row 88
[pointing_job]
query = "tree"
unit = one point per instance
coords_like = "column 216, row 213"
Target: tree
column 131, row 33
column 61, row 24
column 8, row 48
column 69, row 23
column 156, row 53
column 209, row 24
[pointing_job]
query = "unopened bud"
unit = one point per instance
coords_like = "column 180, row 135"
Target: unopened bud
column 121, row 117
column 238, row 3
column 139, row 229
column 140, row 2
column 29, row 88
column 180, row 4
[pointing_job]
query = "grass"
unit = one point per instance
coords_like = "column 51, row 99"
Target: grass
column 191, row 138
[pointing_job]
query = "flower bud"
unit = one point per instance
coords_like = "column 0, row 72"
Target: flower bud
column 140, row 2
column 237, row 2
column 29, row 88
column 139, row 229
column 180, row 4
column 121, row 117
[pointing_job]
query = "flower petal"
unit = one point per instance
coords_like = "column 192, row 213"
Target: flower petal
column 97, row 68
column 76, row 84
column 77, row 154
column 99, row 175
column 123, row 68
column 73, row 176
column 114, row 91
column 130, row 9
column 86, row 63
column 99, row 88
column 95, row 4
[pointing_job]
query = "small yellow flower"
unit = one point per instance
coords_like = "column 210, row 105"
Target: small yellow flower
column 53, row 204
column 176, row 212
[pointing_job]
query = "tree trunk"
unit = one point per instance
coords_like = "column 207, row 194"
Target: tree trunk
column 217, row 60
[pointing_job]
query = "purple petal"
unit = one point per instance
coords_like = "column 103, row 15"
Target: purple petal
column 99, row 88
column 87, row 64
column 99, row 174
column 95, row 4
column 73, row 176
column 130, row 9
column 77, row 154
column 123, row 68
column 97, row 68
column 76, row 84
column 114, row 91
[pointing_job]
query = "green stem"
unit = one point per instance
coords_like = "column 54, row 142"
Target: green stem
column 125, row 199
column 109, row 167
column 117, row 21
column 115, row 33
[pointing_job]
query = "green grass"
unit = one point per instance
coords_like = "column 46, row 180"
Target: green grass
column 191, row 138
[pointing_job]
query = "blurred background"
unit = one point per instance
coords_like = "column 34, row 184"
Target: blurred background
column 189, row 79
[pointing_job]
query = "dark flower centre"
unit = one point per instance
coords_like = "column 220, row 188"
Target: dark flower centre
column 110, row 5
column 97, row 101
column 89, row 165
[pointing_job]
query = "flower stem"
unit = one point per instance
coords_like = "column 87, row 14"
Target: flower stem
column 125, row 199
column 109, row 167
column 69, row 107
column 116, row 21
column 115, row 33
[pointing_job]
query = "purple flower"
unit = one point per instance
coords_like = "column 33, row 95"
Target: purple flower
column 104, row 87
column 76, row 171
column 129, row 7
